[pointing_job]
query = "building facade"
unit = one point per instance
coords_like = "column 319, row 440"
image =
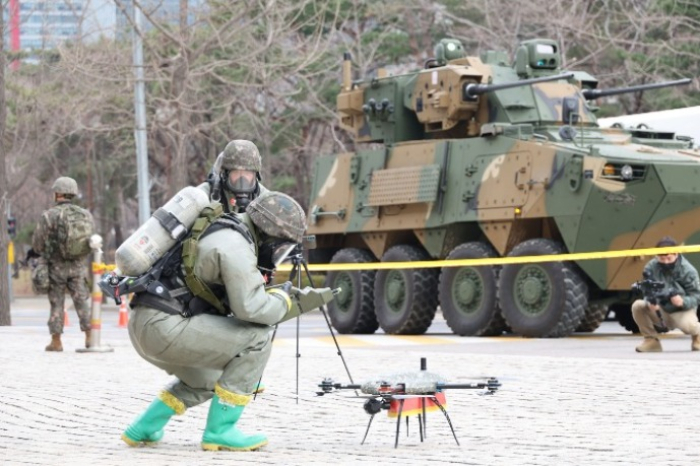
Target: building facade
column 45, row 24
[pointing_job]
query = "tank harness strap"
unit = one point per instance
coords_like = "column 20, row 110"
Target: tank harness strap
column 171, row 223
column 189, row 256
column 231, row 221
column 168, row 306
column 198, row 288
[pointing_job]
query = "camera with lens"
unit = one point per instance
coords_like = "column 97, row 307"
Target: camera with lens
column 655, row 292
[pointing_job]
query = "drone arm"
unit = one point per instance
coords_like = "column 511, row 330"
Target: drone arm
column 491, row 384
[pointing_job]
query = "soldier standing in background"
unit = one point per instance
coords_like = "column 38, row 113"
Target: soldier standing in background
column 62, row 239
column 235, row 177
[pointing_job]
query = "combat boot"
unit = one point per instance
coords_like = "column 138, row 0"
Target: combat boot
column 87, row 338
column 649, row 345
column 696, row 343
column 55, row 344
column 148, row 427
column 221, row 432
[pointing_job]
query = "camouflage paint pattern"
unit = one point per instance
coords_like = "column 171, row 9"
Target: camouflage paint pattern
column 240, row 154
column 278, row 215
column 69, row 275
column 447, row 170
column 65, row 185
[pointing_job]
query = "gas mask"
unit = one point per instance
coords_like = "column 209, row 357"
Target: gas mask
column 271, row 253
column 242, row 184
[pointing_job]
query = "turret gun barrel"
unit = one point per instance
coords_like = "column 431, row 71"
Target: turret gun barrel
column 590, row 94
column 472, row 91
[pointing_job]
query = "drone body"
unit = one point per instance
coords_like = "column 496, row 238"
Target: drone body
column 408, row 394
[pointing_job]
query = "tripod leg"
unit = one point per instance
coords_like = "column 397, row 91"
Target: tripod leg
column 444, row 411
column 296, row 271
column 398, row 424
column 367, row 431
column 425, row 420
column 420, row 426
column 328, row 323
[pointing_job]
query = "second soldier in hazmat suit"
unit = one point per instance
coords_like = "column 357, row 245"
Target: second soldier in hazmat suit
column 214, row 356
column 235, row 177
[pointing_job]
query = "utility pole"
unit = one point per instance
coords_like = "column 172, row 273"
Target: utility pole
column 140, row 129
column 5, row 318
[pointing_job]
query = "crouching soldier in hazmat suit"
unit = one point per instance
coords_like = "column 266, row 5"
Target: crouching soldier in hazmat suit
column 220, row 355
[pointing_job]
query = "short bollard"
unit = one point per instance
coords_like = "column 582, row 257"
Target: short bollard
column 96, row 315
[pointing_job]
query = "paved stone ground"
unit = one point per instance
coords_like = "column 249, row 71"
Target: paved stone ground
column 70, row 408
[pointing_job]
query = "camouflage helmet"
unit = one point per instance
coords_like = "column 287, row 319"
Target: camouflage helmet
column 65, row 185
column 240, row 154
column 278, row 215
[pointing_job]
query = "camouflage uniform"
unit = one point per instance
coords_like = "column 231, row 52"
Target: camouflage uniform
column 238, row 154
column 71, row 274
column 216, row 356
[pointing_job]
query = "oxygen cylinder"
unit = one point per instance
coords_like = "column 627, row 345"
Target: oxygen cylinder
column 166, row 226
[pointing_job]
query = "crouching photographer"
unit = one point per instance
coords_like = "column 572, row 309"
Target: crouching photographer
column 671, row 289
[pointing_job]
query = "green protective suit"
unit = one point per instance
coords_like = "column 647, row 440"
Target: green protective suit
column 207, row 349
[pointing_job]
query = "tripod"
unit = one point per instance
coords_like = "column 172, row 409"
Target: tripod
column 299, row 264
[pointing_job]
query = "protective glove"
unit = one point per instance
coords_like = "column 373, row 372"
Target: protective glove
column 307, row 300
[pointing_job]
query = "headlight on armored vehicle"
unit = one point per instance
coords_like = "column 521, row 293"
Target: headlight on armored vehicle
column 626, row 172
column 618, row 171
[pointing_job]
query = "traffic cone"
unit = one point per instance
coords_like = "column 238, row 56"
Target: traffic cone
column 123, row 314
column 65, row 316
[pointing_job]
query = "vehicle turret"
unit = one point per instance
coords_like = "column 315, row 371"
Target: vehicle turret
column 455, row 96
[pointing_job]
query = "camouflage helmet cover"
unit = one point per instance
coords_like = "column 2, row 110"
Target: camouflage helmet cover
column 240, row 154
column 65, row 185
column 278, row 215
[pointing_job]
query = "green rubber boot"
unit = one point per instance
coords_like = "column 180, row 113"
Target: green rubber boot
column 148, row 427
column 221, row 432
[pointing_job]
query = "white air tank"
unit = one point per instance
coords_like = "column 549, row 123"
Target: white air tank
column 152, row 240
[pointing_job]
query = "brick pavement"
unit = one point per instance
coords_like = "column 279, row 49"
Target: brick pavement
column 70, row 408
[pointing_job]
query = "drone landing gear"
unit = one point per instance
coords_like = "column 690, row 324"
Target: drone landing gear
column 407, row 405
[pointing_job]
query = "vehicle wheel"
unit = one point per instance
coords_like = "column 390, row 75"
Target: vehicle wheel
column 623, row 314
column 468, row 295
column 594, row 316
column 546, row 299
column 352, row 310
column 405, row 300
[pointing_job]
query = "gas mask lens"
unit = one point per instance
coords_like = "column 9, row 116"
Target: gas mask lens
column 241, row 181
column 282, row 252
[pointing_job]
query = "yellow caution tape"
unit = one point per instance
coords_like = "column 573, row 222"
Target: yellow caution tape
column 578, row 256
column 102, row 268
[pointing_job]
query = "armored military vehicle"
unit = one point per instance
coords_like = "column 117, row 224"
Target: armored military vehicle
column 478, row 157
